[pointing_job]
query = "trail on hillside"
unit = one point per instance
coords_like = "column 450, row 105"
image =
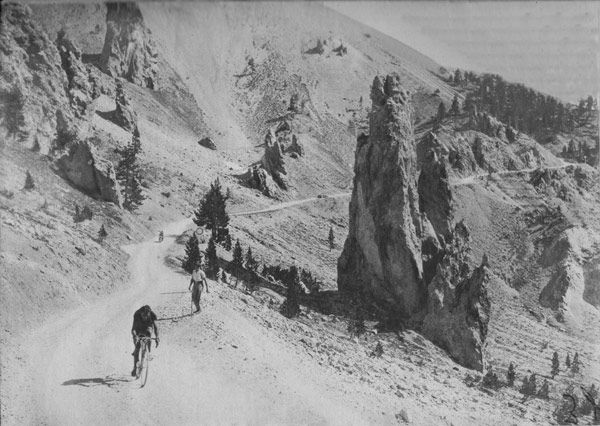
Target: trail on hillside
column 290, row 204
column 213, row 368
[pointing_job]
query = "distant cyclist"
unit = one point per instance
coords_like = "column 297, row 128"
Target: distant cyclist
column 197, row 284
column 161, row 236
column 144, row 322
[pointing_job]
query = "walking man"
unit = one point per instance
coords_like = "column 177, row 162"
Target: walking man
column 197, row 284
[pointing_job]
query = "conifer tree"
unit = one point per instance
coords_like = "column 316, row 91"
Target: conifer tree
column 555, row 365
column 211, row 212
column 212, row 259
column 251, row 262
column 544, row 391
column 441, row 114
column 290, row 307
column 102, row 234
column 455, row 108
column 510, row 375
column 331, row 238
column 576, row 364
column 193, row 258
column 568, row 361
column 29, row 183
column 237, row 263
column 129, row 174
column 227, row 243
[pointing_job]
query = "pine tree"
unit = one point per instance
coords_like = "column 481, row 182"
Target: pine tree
column 331, row 239
column 29, row 183
column 455, row 108
column 568, row 361
column 102, row 234
column 193, row 258
column 510, row 375
column 441, row 114
column 237, row 263
column 129, row 174
column 212, row 259
column 544, row 391
column 251, row 262
column 227, row 243
column 211, row 212
column 290, row 307
column 457, row 76
column 576, row 364
column 555, row 365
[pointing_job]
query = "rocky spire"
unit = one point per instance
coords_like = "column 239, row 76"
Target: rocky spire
column 383, row 251
column 403, row 250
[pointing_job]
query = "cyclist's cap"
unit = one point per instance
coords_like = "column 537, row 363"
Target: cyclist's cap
column 146, row 308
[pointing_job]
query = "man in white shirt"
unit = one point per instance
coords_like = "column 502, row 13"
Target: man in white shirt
column 197, row 284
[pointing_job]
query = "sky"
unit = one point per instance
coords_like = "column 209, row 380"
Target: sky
column 551, row 46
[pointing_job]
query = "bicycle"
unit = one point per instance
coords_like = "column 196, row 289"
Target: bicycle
column 161, row 237
column 143, row 364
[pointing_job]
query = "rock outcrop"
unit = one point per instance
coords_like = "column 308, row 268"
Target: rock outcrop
column 458, row 305
column 259, row 178
column 403, row 250
column 485, row 123
column 82, row 88
column 272, row 160
column 123, row 114
column 32, row 83
column 129, row 51
column 85, row 169
column 296, row 149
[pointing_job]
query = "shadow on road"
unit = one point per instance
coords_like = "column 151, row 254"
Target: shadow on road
column 109, row 381
column 175, row 318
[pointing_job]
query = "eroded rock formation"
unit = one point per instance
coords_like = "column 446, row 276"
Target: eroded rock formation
column 124, row 115
column 403, row 249
column 382, row 253
column 128, row 48
column 93, row 175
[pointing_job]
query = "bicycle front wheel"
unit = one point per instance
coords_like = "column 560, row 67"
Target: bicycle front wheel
column 145, row 363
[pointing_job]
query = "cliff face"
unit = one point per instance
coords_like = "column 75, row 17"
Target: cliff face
column 383, row 251
column 128, row 48
column 403, row 249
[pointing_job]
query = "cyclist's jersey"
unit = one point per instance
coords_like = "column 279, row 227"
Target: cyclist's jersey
column 141, row 326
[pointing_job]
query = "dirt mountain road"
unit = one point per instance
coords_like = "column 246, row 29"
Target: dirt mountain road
column 213, row 368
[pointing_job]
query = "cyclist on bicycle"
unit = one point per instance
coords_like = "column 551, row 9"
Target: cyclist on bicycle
column 197, row 284
column 144, row 321
column 161, row 236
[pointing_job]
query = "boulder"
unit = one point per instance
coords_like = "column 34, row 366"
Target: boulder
column 207, row 143
column 86, row 170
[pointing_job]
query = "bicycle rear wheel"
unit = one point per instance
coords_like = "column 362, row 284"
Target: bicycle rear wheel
column 145, row 363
